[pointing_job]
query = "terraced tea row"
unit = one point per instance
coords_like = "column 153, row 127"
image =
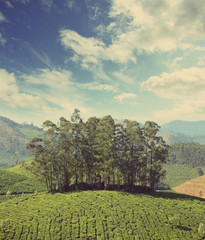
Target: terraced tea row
column 12, row 182
column 100, row 215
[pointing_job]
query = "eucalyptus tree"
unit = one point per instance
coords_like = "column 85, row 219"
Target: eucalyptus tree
column 65, row 150
column 156, row 152
column 121, row 153
column 46, row 154
column 77, row 144
column 104, row 144
column 135, row 150
column 90, row 160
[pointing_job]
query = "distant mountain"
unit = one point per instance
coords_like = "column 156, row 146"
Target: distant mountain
column 172, row 137
column 187, row 128
column 180, row 131
column 13, row 139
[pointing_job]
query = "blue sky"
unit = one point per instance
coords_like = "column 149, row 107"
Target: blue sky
column 135, row 59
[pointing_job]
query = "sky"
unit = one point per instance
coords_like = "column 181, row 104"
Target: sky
column 135, row 59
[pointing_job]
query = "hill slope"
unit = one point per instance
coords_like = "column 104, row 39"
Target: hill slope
column 101, row 215
column 19, row 180
column 194, row 187
column 13, row 139
column 177, row 174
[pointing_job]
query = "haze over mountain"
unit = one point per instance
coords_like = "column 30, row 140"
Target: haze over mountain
column 183, row 131
column 186, row 127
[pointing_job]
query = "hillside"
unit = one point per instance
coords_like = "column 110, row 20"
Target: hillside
column 101, row 215
column 18, row 180
column 185, row 127
column 13, row 139
column 184, row 131
column 173, row 137
column 177, row 174
column 194, row 187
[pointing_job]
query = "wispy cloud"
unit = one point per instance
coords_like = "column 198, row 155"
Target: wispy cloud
column 40, row 55
column 99, row 87
column 23, row 1
column 2, row 40
column 47, row 4
column 123, row 97
column 57, row 79
column 2, row 18
column 122, row 77
column 9, row 4
column 89, row 50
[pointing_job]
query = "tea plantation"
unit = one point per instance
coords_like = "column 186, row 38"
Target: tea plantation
column 19, row 180
column 102, row 215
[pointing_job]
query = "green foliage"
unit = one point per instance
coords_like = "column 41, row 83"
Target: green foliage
column 13, row 139
column 18, row 180
column 98, row 152
column 102, row 215
column 178, row 174
column 191, row 154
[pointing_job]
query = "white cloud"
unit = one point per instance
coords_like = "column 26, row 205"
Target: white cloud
column 10, row 94
column 174, row 64
column 57, row 79
column 52, row 104
column 136, row 26
column 154, row 25
column 181, row 84
column 189, row 110
column 2, row 17
column 120, row 76
column 2, row 40
column 24, row 1
column 201, row 61
column 89, row 48
column 70, row 3
column 187, row 86
column 47, row 4
column 9, row 4
column 126, row 96
column 99, row 87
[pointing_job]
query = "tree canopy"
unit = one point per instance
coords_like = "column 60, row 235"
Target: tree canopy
column 98, row 153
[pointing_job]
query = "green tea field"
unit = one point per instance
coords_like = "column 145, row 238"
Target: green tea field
column 177, row 174
column 19, row 180
column 102, row 215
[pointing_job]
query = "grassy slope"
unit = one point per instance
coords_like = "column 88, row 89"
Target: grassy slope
column 179, row 174
column 101, row 215
column 195, row 187
column 18, row 180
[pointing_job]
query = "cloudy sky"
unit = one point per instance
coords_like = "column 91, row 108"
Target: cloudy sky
column 136, row 59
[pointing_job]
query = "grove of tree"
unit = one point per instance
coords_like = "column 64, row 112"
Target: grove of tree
column 98, row 153
column 190, row 154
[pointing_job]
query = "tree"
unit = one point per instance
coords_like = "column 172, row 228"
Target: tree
column 104, row 149
column 77, row 146
column 65, row 150
column 46, row 155
column 98, row 152
column 156, row 152
column 134, row 151
column 90, row 160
